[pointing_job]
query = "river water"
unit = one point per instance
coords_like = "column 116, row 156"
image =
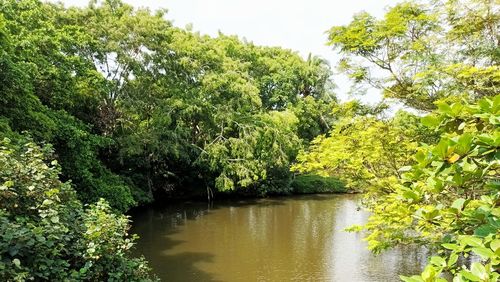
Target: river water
column 278, row 239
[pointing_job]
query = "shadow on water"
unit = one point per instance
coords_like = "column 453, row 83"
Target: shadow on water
column 166, row 222
column 185, row 267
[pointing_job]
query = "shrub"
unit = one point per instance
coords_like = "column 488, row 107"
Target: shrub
column 47, row 234
column 309, row 183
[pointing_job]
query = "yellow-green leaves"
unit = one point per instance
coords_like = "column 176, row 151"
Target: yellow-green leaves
column 451, row 189
column 410, row 56
column 452, row 192
column 364, row 152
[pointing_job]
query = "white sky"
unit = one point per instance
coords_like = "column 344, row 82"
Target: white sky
column 294, row 24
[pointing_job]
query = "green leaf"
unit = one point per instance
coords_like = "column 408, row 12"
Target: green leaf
column 450, row 246
column 471, row 241
column 484, row 253
column 485, row 230
column 458, row 179
column 16, row 262
column 438, row 261
column 431, row 121
column 444, row 108
column 469, row 276
column 411, row 195
column 479, row 270
column 413, row 278
column 456, row 109
column 458, row 204
column 495, row 244
column 452, row 260
column 487, row 139
column 435, row 184
column 441, row 149
column 485, row 104
column 421, row 158
column 496, row 104
column 428, row 273
column 464, row 144
column 468, row 167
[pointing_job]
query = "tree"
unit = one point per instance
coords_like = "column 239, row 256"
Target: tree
column 42, row 86
column 440, row 57
column 420, row 53
column 135, row 107
column 363, row 150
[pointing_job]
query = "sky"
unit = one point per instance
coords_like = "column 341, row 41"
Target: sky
column 293, row 24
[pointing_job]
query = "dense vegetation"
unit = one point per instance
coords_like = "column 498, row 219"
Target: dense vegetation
column 136, row 108
column 312, row 184
column 107, row 107
column 440, row 186
column 46, row 233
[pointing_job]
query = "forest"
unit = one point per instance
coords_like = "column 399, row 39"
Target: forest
column 109, row 108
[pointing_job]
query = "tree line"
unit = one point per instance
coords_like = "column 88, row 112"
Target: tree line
column 135, row 107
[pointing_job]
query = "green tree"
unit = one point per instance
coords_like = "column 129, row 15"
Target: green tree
column 362, row 150
column 135, row 107
column 420, row 53
column 41, row 93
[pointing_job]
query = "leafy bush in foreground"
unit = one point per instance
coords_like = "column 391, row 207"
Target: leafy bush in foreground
column 449, row 199
column 46, row 233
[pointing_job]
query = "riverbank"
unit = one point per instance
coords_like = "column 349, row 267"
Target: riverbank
column 300, row 185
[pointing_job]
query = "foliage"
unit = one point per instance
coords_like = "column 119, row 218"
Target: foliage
column 137, row 108
column 421, row 53
column 269, row 142
column 363, row 151
column 449, row 197
column 46, row 233
column 309, row 184
column 40, row 94
column 442, row 57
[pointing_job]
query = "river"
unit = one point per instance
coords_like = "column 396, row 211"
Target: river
column 297, row 238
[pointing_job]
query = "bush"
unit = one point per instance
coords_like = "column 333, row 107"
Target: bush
column 47, row 234
column 308, row 184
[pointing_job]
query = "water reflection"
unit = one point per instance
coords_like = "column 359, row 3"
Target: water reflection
column 289, row 239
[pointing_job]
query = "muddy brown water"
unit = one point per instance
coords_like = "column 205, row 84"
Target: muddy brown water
column 280, row 239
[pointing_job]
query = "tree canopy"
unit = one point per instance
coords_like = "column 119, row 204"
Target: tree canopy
column 420, row 53
column 135, row 107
